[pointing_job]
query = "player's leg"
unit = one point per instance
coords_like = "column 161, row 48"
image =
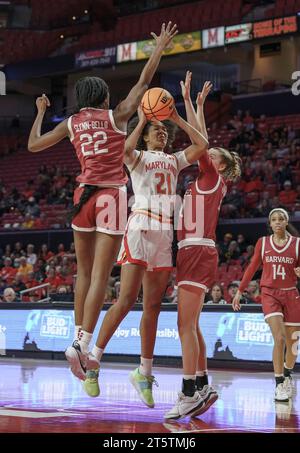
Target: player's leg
column 84, row 247
column 131, row 280
column 291, row 353
column 190, row 301
column 106, row 249
column 277, row 327
column 154, row 287
column 207, row 392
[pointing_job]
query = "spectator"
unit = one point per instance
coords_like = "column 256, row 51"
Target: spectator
column 18, row 283
column 25, row 267
column 223, row 246
column 31, row 256
column 8, row 272
column 233, row 252
column 44, row 253
column 288, row 196
column 28, row 223
column 31, row 282
column 232, row 290
column 253, row 291
column 242, row 243
column 32, row 208
column 216, row 295
column 9, row 295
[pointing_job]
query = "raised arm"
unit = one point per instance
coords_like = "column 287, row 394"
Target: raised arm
column 126, row 108
column 199, row 142
column 186, row 94
column 38, row 142
column 133, row 138
column 201, row 97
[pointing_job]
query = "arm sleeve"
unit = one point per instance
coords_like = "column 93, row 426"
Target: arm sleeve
column 182, row 161
column 253, row 266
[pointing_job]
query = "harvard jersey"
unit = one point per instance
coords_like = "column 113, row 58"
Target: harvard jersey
column 279, row 263
column 154, row 177
column 99, row 146
column 199, row 214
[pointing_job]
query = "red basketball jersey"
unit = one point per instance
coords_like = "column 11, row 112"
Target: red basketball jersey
column 200, row 210
column 279, row 263
column 99, row 146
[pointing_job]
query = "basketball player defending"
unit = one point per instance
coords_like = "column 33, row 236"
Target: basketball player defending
column 197, row 261
column 98, row 136
column 278, row 255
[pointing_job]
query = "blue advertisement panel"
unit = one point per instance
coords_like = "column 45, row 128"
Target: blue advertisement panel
column 98, row 57
column 228, row 336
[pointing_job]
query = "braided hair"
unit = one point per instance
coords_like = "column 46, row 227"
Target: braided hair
column 85, row 196
column 90, row 92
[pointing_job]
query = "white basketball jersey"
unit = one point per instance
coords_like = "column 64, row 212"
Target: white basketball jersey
column 154, row 177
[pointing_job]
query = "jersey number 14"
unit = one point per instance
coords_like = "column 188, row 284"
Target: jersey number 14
column 278, row 270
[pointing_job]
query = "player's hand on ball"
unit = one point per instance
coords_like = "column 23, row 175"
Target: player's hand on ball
column 297, row 271
column 236, row 301
column 202, row 95
column 141, row 115
column 42, row 103
column 186, row 86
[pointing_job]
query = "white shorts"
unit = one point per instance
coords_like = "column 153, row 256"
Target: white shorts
column 147, row 242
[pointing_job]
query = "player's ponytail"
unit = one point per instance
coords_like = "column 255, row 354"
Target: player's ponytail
column 85, row 196
column 233, row 162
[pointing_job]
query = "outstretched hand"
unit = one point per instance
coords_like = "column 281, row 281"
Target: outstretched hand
column 42, row 103
column 297, row 271
column 166, row 35
column 186, row 86
column 202, row 95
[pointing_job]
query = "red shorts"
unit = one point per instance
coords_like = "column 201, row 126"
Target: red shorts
column 197, row 265
column 280, row 302
column 105, row 211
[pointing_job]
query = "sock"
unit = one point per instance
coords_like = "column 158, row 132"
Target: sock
column 97, row 352
column 201, row 379
column 77, row 331
column 287, row 371
column 146, row 366
column 279, row 378
column 84, row 340
column 189, row 385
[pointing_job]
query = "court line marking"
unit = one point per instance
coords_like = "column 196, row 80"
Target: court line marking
column 31, row 414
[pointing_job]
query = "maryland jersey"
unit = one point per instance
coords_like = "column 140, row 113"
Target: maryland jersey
column 99, row 146
column 279, row 263
column 154, row 177
column 200, row 210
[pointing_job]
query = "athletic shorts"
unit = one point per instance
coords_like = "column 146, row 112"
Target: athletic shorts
column 280, row 302
column 197, row 265
column 105, row 211
column 147, row 242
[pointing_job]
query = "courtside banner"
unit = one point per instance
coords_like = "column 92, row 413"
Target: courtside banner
column 213, row 37
column 238, row 33
column 98, row 57
column 126, row 52
column 185, row 42
column 275, row 27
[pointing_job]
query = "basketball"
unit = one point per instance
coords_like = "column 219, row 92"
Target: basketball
column 157, row 104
